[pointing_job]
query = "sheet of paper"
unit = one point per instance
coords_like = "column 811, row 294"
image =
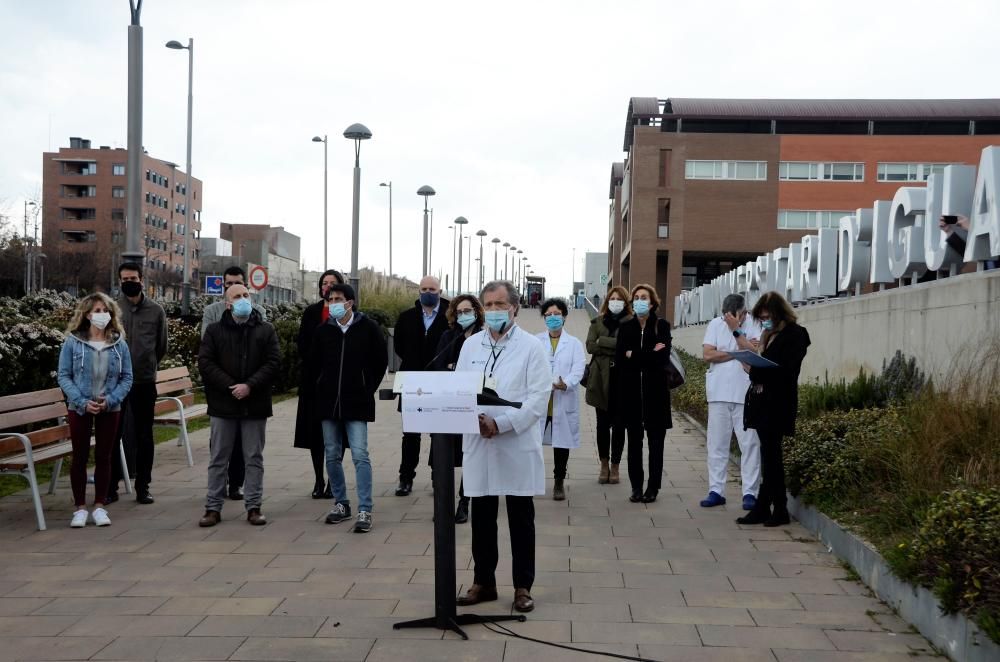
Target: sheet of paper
column 752, row 359
column 443, row 402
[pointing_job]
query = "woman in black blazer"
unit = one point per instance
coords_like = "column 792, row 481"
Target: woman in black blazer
column 772, row 402
column 308, row 430
column 641, row 358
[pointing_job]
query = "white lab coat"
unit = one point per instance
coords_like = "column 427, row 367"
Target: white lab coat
column 567, row 362
column 510, row 463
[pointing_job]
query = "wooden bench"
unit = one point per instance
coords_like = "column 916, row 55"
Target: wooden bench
column 20, row 452
column 175, row 404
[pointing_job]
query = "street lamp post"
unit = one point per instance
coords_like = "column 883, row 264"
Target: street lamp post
column 188, row 227
column 326, row 225
column 452, row 272
column 460, row 221
column 517, row 268
column 357, row 133
column 133, row 171
column 389, row 185
column 468, row 266
column 426, row 192
column 506, row 258
column 481, row 234
column 25, row 247
column 496, row 249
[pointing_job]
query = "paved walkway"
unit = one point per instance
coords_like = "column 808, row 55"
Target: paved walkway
column 667, row 581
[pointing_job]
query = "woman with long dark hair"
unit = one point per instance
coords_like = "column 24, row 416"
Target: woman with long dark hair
column 772, row 402
column 308, row 430
column 641, row 358
column 602, row 340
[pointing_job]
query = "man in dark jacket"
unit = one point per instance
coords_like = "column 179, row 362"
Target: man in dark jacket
column 348, row 358
column 416, row 338
column 239, row 362
column 145, row 326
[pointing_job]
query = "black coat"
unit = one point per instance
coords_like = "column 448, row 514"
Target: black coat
column 450, row 346
column 347, row 369
column 773, row 409
column 233, row 354
column 308, row 430
column 414, row 345
column 644, row 395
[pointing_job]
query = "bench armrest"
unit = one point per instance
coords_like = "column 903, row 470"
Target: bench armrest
column 24, row 442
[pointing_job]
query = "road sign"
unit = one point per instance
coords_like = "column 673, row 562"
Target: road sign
column 604, row 279
column 258, row 277
column 214, row 285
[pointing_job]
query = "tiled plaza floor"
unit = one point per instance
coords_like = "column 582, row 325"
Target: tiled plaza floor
column 666, row 581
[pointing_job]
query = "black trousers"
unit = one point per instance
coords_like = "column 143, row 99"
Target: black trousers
column 137, row 434
column 656, row 438
column 560, row 457
column 772, row 469
column 521, row 523
column 237, row 465
column 610, row 437
column 318, row 455
column 411, row 456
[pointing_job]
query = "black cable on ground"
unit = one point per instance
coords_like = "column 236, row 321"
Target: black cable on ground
column 504, row 630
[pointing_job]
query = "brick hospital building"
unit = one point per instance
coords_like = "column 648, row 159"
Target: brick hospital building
column 712, row 183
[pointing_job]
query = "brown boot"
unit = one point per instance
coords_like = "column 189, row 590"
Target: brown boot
column 558, row 493
column 613, row 476
column 602, row 477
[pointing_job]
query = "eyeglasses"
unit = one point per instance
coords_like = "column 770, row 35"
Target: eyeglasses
column 463, row 311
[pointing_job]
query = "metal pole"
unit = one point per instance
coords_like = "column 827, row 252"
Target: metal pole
column 24, row 250
column 390, row 230
column 430, row 242
column 133, row 194
column 423, row 268
column 480, row 264
column 459, row 290
column 188, row 215
column 356, row 223
column 468, row 268
column 326, row 224
column 453, row 291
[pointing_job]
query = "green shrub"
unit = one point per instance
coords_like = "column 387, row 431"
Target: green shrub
column 955, row 553
column 691, row 398
column 900, row 381
column 288, row 333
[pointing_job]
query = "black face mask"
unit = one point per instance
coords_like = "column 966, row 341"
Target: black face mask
column 130, row 288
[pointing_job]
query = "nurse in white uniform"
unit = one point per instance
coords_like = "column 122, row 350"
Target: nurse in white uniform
column 561, row 427
column 505, row 458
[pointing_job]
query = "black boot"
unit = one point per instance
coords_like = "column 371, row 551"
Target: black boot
column 761, row 513
column 462, row 512
column 779, row 517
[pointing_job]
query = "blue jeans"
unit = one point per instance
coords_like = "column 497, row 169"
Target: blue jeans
column 333, row 440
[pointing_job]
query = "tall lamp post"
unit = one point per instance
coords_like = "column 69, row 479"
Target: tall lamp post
column 326, row 226
column 460, row 221
column 513, row 255
column 357, row 133
column 468, row 266
column 186, row 300
column 133, row 229
column 389, row 185
column 26, row 247
column 517, row 267
column 496, row 249
column 481, row 234
column 426, row 192
column 506, row 258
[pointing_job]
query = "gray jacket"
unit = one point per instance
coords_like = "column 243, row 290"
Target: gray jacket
column 213, row 313
column 146, row 334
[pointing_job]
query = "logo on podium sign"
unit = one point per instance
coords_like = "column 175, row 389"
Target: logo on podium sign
column 258, row 278
column 214, row 285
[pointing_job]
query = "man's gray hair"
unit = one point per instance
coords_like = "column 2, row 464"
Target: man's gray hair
column 513, row 298
column 733, row 303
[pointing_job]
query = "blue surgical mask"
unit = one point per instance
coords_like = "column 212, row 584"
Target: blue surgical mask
column 429, row 299
column 554, row 322
column 242, row 308
column 337, row 310
column 767, row 325
column 465, row 320
column 497, row 320
column 641, row 307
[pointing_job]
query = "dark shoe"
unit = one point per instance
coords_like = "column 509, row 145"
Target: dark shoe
column 712, row 500
column 477, row 594
column 462, row 512
column 210, row 518
column 749, row 501
column 405, row 487
column 780, row 517
column 341, row 512
column 614, row 477
column 111, row 498
column 318, row 490
column 649, row 497
column 558, row 492
column 328, row 492
column 636, row 496
column 236, row 494
column 758, row 515
column 522, row 600
column 605, row 473
column 145, row 498
column 364, row 522
column 255, row 518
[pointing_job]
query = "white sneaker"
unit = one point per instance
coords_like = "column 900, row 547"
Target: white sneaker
column 101, row 517
column 79, row 519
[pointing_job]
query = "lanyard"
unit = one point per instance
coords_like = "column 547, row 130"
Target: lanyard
column 495, row 354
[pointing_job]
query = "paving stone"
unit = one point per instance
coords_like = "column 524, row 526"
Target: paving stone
column 170, row 648
column 721, row 568
column 808, row 571
column 518, row 651
column 881, row 642
column 764, row 637
column 784, row 655
column 677, row 582
column 35, row 626
column 335, row 607
column 100, row 605
column 389, row 650
column 258, row 626
column 46, row 589
column 638, row 633
column 50, row 648
column 666, row 597
column 691, row 615
column 21, row 606
column 304, row 650
column 703, row 654
column 786, row 585
column 741, row 599
column 853, row 603
column 134, row 626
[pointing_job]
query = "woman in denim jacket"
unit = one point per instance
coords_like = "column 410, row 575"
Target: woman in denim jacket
column 95, row 374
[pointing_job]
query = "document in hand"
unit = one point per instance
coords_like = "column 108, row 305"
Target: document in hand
column 442, row 402
column 752, row 359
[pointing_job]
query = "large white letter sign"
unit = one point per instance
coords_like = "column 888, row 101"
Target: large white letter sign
column 855, row 249
column 791, row 290
column 880, row 272
column 777, row 270
column 947, row 194
column 984, row 225
column 906, row 232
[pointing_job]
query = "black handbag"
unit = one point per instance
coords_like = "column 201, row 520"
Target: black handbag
column 586, row 373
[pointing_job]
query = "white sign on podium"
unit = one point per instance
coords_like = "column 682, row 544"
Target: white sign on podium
column 443, row 402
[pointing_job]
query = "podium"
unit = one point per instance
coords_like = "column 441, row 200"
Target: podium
column 446, row 616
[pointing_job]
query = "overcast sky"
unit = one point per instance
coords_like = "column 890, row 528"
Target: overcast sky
column 512, row 111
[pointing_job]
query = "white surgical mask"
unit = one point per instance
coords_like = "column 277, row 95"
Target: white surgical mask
column 616, row 306
column 100, row 320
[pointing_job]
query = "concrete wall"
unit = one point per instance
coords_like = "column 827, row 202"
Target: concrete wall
column 931, row 321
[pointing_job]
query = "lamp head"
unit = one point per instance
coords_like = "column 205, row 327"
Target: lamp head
column 496, row 240
column 426, row 191
column 317, row 139
column 384, row 184
column 176, row 45
column 519, row 252
column 506, row 244
column 481, row 233
column 461, row 220
column 357, row 132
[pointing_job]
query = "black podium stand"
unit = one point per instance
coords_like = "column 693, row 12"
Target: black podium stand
column 445, row 611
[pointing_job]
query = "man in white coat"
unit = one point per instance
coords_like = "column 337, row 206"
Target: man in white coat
column 561, row 427
column 505, row 458
column 726, row 385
